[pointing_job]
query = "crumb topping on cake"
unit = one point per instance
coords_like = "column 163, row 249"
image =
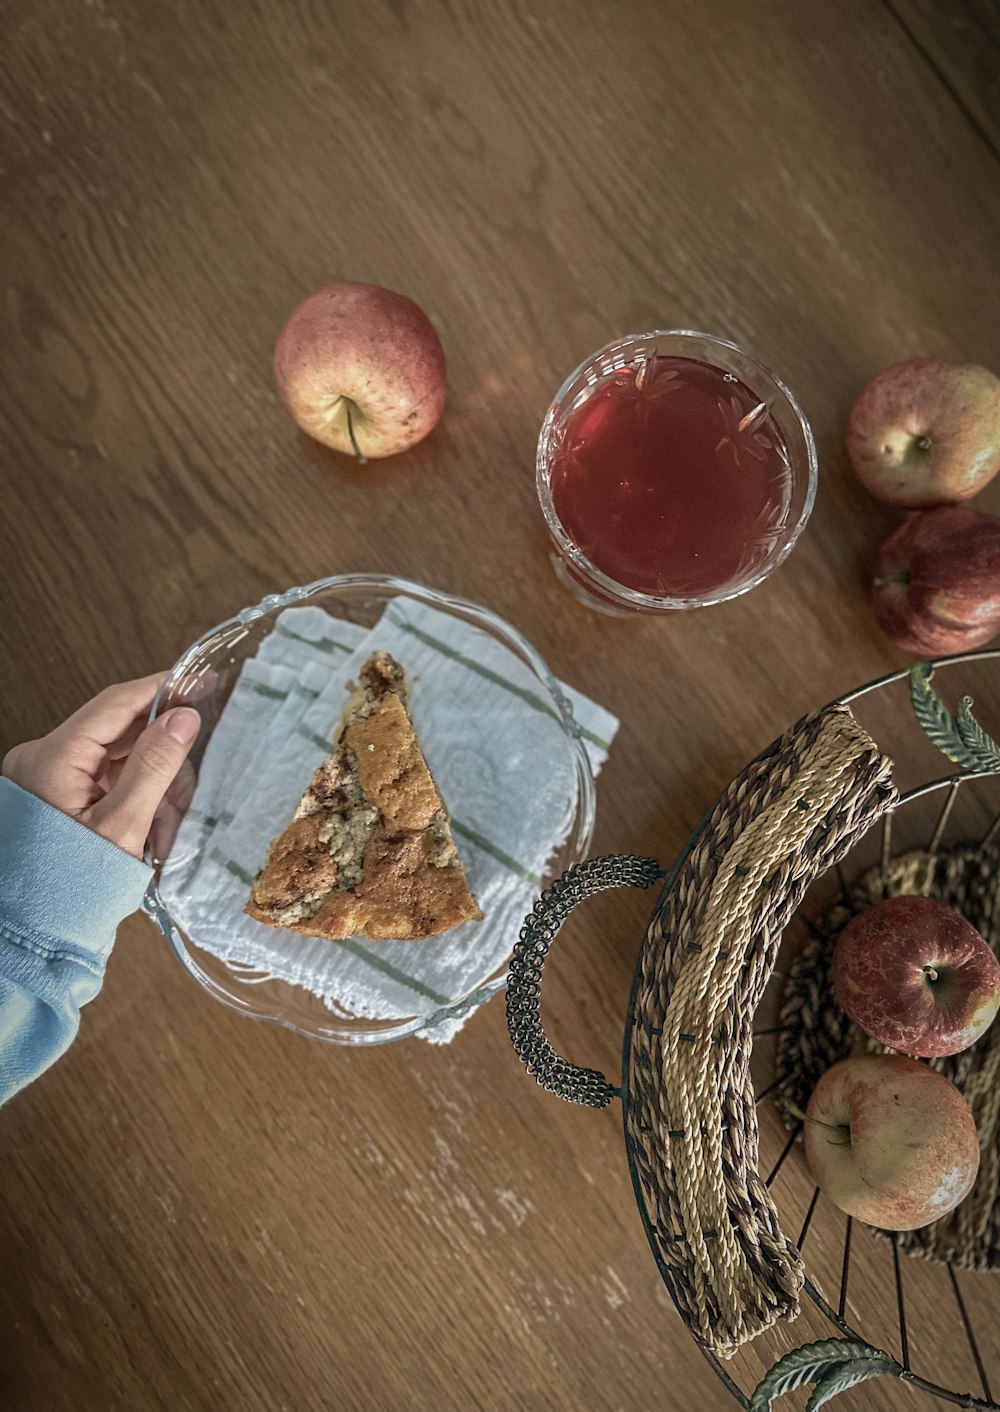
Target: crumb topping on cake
column 369, row 850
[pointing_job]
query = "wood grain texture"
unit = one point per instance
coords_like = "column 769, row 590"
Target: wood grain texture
column 204, row 1213
column 957, row 43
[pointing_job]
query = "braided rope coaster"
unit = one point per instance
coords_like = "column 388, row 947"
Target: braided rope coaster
column 691, row 1120
column 818, row 1033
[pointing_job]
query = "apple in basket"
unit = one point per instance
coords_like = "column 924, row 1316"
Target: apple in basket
column 926, row 432
column 361, row 369
column 890, row 1141
column 936, row 585
column 916, row 976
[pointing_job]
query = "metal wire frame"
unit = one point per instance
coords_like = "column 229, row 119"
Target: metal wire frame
column 952, row 783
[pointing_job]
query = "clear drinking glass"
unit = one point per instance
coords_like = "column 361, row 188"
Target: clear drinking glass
column 674, row 471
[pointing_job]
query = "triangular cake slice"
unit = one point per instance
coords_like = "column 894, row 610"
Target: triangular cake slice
column 369, row 850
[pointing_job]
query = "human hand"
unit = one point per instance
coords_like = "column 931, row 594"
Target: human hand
column 109, row 770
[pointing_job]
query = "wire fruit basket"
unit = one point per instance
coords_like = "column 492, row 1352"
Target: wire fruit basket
column 731, row 1020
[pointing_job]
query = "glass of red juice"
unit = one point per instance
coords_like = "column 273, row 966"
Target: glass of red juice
column 674, row 471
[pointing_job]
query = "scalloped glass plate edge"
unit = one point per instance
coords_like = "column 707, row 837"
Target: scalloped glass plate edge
column 222, row 988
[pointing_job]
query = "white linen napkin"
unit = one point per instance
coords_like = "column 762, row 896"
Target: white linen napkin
column 496, row 748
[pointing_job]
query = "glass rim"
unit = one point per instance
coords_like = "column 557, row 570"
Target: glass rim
column 610, row 588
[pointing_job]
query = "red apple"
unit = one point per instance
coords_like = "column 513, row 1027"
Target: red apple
column 936, row 585
column 916, row 976
column 890, row 1141
column 926, row 432
column 361, row 369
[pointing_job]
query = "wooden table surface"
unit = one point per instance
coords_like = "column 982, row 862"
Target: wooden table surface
column 201, row 1212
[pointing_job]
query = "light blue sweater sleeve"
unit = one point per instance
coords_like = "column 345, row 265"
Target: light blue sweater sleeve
column 63, row 891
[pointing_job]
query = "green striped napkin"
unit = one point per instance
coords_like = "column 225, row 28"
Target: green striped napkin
column 499, row 751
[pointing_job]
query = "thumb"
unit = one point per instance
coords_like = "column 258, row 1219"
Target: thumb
column 125, row 814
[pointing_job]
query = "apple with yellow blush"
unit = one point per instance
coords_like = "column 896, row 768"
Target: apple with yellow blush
column 890, row 1141
column 361, row 369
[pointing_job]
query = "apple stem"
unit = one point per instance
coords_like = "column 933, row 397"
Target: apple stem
column 797, row 1112
column 930, row 973
column 362, row 460
column 923, row 443
column 901, row 576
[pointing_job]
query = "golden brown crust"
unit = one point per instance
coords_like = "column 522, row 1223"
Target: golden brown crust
column 370, row 852
column 298, row 864
column 391, row 766
column 401, row 895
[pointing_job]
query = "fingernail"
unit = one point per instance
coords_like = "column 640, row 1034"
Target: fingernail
column 183, row 724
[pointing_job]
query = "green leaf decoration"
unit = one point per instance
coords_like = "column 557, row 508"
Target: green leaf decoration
column 845, row 1375
column 960, row 737
column 979, row 745
column 819, row 1363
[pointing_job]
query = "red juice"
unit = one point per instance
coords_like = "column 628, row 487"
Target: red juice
column 672, row 477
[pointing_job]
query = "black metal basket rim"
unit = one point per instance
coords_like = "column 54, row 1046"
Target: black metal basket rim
column 982, row 654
